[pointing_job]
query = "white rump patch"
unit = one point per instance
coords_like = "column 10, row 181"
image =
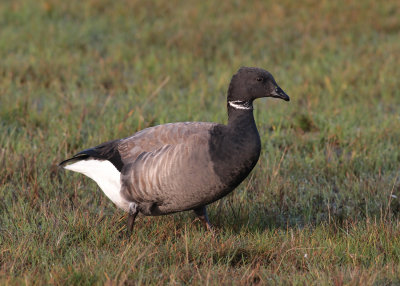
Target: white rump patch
column 105, row 175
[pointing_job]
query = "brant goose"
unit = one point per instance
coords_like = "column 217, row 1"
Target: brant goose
column 182, row 166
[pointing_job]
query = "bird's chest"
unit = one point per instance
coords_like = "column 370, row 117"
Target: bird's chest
column 236, row 157
column 243, row 158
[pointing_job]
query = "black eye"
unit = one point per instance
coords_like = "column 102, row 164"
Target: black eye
column 259, row 79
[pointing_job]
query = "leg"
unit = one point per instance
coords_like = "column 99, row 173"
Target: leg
column 201, row 213
column 133, row 212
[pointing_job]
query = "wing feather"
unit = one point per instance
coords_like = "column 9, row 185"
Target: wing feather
column 172, row 178
column 154, row 138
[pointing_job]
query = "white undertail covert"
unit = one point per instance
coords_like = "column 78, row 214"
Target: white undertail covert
column 107, row 177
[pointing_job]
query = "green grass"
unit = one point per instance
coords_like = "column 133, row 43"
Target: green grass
column 322, row 205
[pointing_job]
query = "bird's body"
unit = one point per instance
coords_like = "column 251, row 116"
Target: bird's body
column 180, row 166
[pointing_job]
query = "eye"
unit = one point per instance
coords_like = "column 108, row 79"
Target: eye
column 259, row 79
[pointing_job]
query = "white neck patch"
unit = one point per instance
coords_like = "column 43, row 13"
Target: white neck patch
column 239, row 104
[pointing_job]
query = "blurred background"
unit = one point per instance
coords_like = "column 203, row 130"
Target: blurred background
column 74, row 74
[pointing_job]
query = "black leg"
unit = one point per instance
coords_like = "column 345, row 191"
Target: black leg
column 133, row 212
column 201, row 213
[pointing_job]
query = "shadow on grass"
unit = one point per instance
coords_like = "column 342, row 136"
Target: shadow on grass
column 228, row 217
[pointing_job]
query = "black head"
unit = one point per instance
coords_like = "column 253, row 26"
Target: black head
column 251, row 83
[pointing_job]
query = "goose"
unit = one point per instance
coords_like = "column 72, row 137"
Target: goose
column 182, row 166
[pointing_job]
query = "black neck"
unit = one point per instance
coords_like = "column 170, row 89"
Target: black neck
column 240, row 113
column 235, row 148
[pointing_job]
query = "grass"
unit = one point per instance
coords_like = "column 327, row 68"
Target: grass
column 322, row 205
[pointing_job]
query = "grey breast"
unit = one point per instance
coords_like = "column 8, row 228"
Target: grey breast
column 168, row 168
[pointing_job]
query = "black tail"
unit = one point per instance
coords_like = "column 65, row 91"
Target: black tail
column 76, row 157
column 105, row 151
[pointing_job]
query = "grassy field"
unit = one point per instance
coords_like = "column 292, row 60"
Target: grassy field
column 321, row 207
